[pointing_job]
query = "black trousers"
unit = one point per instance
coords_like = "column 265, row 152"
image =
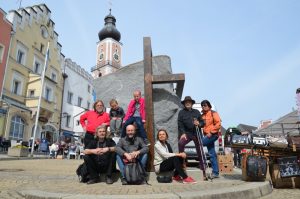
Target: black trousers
column 95, row 167
column 172, row 163
column 88, row 138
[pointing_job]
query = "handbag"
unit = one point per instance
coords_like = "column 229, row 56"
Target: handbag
column 288, row 166
column 228, row 135
column 257, row 140
column 240, row 139
column 256, row 167
column 294, row 141
column 164, row 179
column 280, row 142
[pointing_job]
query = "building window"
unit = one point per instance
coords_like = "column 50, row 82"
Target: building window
column 37, row 67
column 1, row 52
column 77, row 122
column 89, row 88
column 79, row 101
column 88, row 105
column 68, row 120
column 17, row 126
column 42, row 48
column 20, row 57
column 48, row 92
column 53, row 76
column 31, row 93
column 70, row 96
column 16, row 87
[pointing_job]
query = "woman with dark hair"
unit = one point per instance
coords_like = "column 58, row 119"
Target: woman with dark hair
column 211, row 129
column 166, row 160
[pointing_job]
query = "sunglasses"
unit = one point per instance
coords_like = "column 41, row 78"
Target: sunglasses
column 204, row 105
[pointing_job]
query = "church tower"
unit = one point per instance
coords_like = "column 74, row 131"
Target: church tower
column 109, row 48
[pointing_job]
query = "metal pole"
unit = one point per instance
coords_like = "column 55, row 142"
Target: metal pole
column 64, row 75
column 40, row 99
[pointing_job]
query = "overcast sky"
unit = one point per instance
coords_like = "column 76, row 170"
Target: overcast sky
column 243, row 56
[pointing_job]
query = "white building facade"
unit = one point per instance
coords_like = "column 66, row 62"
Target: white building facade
column 78, row 97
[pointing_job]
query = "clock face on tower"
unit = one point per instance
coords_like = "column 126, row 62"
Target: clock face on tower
column 116, row 57
column 101, row 56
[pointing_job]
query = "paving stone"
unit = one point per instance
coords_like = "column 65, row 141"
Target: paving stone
column 50, row 178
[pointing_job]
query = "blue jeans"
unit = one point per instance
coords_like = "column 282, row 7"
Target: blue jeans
column 140, row 126
column 209, row 142
column 142, row 158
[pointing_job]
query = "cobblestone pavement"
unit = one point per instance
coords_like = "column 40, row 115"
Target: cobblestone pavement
column 58, row 176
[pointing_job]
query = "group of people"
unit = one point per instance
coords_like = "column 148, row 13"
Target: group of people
column 102, row 153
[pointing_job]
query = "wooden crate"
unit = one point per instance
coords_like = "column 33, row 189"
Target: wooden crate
column 225, row 167
column 228, row 159
column 278, row 182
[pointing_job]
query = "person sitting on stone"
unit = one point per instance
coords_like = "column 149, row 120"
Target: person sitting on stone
column 99, row 156
column 165, row 160
column 116, row 115
column 53, row 150
column 136, row 114
column 130, row 148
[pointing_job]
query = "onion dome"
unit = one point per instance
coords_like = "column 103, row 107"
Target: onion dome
column 109, row 30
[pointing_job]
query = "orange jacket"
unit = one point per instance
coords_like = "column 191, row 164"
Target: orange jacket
column 212, row 122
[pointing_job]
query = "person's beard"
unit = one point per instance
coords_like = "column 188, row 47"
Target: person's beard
column 99, row 110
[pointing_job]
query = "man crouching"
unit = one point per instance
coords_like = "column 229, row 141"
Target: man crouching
column 99, row 156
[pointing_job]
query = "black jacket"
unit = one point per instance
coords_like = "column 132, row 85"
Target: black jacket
column 116, row 113
column 126, row 145
column 186, row 121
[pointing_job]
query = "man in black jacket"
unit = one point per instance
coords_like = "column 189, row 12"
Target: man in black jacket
column 99, row 156
column 130, row 148
column 188, row 119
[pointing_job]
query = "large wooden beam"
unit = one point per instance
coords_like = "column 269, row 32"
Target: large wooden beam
column 171, row 78
column 149, row 98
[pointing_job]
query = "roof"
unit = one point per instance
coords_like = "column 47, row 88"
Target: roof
column 245, row 127
column 286, row 124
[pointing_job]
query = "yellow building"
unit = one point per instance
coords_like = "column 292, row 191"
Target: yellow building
column 33, row 29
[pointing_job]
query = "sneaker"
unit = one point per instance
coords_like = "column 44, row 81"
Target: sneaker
column 215, row 175
column 93, row 181
column 147, row 142
column 123, row 181
column 177, row 178
column 189, row 180
column 109, row 180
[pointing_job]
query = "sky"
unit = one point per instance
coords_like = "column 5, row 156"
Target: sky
column 243, row 56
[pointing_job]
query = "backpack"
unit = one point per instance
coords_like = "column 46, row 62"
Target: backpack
column 82, row 173
column 134, row 173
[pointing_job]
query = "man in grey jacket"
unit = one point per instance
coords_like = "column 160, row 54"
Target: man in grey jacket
column 130, row 148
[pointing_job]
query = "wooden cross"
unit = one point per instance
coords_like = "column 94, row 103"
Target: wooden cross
column 151, row 79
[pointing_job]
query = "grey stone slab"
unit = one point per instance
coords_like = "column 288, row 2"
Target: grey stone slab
column 121, row 84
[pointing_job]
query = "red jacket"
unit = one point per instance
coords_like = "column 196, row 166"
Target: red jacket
column 131, row 109
column 91, row 120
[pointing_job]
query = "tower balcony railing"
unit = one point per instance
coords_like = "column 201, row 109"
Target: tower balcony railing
column 98, row 66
